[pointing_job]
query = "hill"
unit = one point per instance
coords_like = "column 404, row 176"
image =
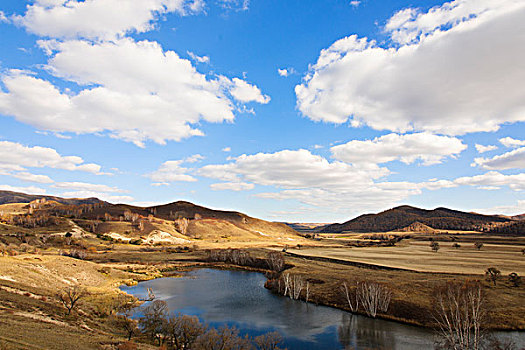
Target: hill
column 177, row 222
column 417, row 227
column 516, row 227
column 7, row 197
column 403, row 216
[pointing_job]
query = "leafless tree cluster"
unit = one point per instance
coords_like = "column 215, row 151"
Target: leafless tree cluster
column 180, row 332
column 29, row 221
column 71, row 296
column 293, row 285
column 275, row 261
column 460, row 312
column 232, row 256
column 371, row 297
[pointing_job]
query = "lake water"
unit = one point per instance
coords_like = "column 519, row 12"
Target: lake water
column 237, row 298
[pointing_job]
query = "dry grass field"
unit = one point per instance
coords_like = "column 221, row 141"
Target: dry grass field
column 417, row 256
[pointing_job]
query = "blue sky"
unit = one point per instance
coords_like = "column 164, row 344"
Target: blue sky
column 313, row 111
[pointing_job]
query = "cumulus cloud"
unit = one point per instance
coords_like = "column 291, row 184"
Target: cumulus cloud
column 245, row 92
column 232, row 186
column 99, row 19
column 135, row 91
column 483, row 149
column 227, row 149
column 3, row 18
column 510, row 142
column 430, row 149
column 455, row 69
column 173, row 171
column 100, row 195
column 30, row 189
column 83, row 186
column 26, row 176
column 355, row 3
column 518, row 208
column 494, row 180
column 198, row 59
column 514, row 159
column 16, row 157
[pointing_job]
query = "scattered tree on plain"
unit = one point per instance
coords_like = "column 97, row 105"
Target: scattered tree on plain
column 434, row 246
column 478, row 245
column 456, row 245
column 71, row 296
column 514, row 279
column 492, row 274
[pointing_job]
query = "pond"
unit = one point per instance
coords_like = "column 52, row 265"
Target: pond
column 238, row 298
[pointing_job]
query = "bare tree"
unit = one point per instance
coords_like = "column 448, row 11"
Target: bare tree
column 153, row 320
column 222, row 339
column 298, row 284
column 373, row 297
column 492, row 274
column 70, row 297
column 459, row 313
column 268, row 341
column 275, row 261
column 181, row 331
column 352, row 299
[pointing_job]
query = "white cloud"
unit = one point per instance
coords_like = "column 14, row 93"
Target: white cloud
column 483, row 149
column 16, row 157
column 510, row 142
column 430, row 149
column 198, row 59
column 227, row 149
column 86, row 187
column 517, row 209
column 244, row 92
column 514, row 159
column 99, row 19
column 235, row 5
column 3, row 18
column 453, row 70
column 355, row 3
column 135, row 91
column 494, row 180
column 232, row 186
column 194, row 158
column 293, row 169
column 25, row 176
column 100, row 195
column 30, row 189
column 283, row 72
column 171, row 171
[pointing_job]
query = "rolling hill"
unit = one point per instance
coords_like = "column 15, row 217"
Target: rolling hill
column 171, row 222
column 7, row 197
column 403, row 216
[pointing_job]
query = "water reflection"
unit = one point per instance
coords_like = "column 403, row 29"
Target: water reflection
column 239, row 299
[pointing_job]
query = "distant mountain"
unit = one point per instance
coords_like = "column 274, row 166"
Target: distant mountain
column 403, row 216
column 7, row 197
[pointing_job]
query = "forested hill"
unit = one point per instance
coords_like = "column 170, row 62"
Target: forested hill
column 403, row 216
column 7, row 197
